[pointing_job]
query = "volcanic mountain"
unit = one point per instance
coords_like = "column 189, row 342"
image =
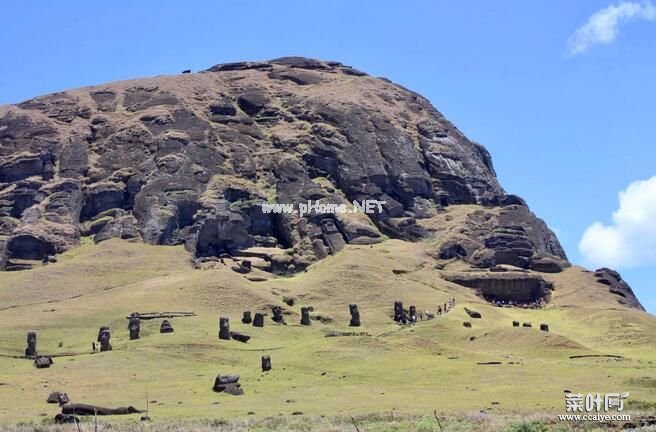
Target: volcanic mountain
column 144, row 199
column 190, row 159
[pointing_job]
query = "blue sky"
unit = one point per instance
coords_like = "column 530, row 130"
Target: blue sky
column 567, row 116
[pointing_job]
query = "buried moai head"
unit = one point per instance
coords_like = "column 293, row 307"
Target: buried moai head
column 258, row 320
column 328, row 226
column 102, row 329
column 355, row 315
column 399, row 315
column 266, row 363
column 246, row 319
column 277, row 315
column 515, row 323
column 544, row 327
column 30, row 351
column 105, row 335
column 413, row 314
column 305, row 316
column 224, row 328
column 166, row 327
column 134, row 326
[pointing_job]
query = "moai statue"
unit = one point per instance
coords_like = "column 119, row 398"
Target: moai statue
column 105, row 335
column 355, row 315
column 134, row 326
column 247, row 319
column 305, row 316
column 102, row 329
column 30, row 351
column 413, row 314
column 515, row 323
column 166, row 327
column 224, row 328
column 266, row 363
column 258, row 320
column 277, row 315
column 398, row 311
column 544, row 327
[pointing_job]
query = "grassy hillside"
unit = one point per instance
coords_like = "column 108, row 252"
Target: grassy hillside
column 413, row 370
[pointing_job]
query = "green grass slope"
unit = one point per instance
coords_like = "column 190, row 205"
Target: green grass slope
column 434, row 365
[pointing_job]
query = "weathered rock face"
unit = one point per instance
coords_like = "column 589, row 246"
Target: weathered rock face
column 618, row 287
column 190, row 159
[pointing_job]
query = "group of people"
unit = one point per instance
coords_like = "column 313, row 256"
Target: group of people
column 535, row 304
column 441, row 309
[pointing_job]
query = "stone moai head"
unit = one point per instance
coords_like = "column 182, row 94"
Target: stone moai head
column 328, row 226
column 515, row 323
column 277, row 315
column 305, row 316
column 355, row 315
column 134, row 326
column 247, row 319
column 30, row 351
column 166, row 327
column 224, row 328
column 398, row 311
column 105, row 335
column 246, row 264
column 102, row 329
column 258, row 320
column 266, row 363
column 544, row 327
column 413, row 313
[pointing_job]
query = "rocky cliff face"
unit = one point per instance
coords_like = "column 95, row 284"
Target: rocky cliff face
column 189, row 159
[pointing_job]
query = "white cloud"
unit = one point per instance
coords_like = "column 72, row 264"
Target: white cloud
column 630, row 241
column 603, row 26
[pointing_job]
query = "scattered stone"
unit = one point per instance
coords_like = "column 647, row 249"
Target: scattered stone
column 258, row 320
column 134, row 326
column 547, row 264
column 473, row 313
column 239, row 336
column 30, row 351
column 527, row 324
column 43, row 362
column 467, row 324
column 66, row 419
column 166, row 327
column 266, row 363
column 277, row 315
column 186, row 71
column 105, row 335
column 246, row 319
column 224, row 328
column 58, row 398
column 544, row 327
column 515, row 323
column 355, row 316
column 289, row 301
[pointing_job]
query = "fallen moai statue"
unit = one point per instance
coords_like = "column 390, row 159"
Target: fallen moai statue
column 239, row 336
column 85, row 409
column 43, row 362
column 473, row 313
column 228, row 384
column 58, row 398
